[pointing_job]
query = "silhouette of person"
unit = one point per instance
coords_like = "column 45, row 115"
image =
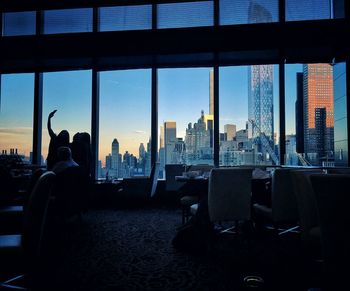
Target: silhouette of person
column 81, row 151
column 65, row 160
column 56, row 141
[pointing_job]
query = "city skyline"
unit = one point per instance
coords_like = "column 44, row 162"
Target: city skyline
column 233, row 86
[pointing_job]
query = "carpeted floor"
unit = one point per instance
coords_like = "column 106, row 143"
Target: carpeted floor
column 132, row 250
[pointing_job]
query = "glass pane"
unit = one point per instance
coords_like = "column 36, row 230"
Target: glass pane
column 340, row 116
column 185, row 116
column 249, row 115
column 125, row 18
column 244, row 12
column 315, row 95
column 187, row 14
column 314, row 9
column 69, row 93
column 125, row 124
column 67, row 21
column 16, row 122
column 19, row 23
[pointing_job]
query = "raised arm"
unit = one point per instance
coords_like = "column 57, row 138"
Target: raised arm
column 51, row 133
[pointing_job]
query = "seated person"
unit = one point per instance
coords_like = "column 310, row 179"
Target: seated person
column 65, row 160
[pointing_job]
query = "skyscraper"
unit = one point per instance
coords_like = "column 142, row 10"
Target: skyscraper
column 142, row 151
column 260, row 92
column 169, row 140
column 115, row 153
column 211, row 92
column 230, row 131
column 299, row 115
column 318, row 110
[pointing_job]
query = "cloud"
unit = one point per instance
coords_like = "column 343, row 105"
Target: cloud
column 140, row 132
column 16, row 130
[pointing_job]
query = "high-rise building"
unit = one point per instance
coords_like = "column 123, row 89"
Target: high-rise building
column 169, row 140
column 108, row 162
column 318, row 111
column 211, row 92
column 209, row 123
column 299, row 114
column 230, row 131
column 115, row 153
column 197, row 142
column 142, row 151
column 260, row 92
column 161, row 137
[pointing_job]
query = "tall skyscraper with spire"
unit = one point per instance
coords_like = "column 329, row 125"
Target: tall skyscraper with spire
column 260, row 91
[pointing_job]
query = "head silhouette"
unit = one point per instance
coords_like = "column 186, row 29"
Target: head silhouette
column 63, row 137
column 64, row 154
column 85, row 137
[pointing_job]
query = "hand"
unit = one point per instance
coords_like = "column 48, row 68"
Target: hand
column 52, row 113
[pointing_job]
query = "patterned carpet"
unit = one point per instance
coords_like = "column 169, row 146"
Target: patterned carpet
column 132, row 250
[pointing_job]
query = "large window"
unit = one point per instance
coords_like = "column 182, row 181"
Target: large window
column 19, row 23
column 125, row 18
column 249, row 115
column 187, row 14
column 244, row 12
column 297, row 10
column 185, row 116
column 316, row 122
column 16, row 114
column 125, row 124
column 67, row 21
column 69, row 93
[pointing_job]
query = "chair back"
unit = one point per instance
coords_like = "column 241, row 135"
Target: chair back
column 283, row 200
column 71, row 191
column 306, row 201
column 171, row 171
column 229, row 196
column 202, row 168
column 333, row 200
column 34, row 220
column 154, row 178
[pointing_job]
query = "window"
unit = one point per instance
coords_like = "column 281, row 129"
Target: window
column 186, row 14
column 314, row 9
column 69, row 93
column 19, row 23
column 315, row 116
column 185, row 116
column 244, row 12
column 125, row 124
column 67, row 21
column 248, row 115
column 16, row 114
column 125, row 18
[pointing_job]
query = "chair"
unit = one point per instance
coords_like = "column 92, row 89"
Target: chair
column 171, row 171
column 229, row 196
column 192, row 196
column 307, row 208
column 25, row 252
column 11, row 216
column 70, row 193
column 333, row 200
column 283, row 210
